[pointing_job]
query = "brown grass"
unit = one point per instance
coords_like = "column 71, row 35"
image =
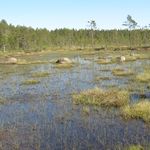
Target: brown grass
column 40, row 74
column 144, row 77
column 141, row 110
column 30, row 82
column 99, row 97
column 121, row 72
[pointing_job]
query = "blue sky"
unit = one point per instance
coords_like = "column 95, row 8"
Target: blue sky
column 52, row 14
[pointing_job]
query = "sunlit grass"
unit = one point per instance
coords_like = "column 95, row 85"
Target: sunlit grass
column 140, row 110
column 143, row 77
column 104, row 61
column 99, row 97
column 134, row 147
column 30, row 82
column 136, row 56
column 130, row 58
column 121, row 72
column 86, row 110
column 24, row 62
column 40, row 74
column 39, row 62
column 142, row 56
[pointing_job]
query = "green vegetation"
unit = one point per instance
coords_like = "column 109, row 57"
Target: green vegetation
column 144, row 77
column 134, row 57
column 142, row 56
column 40, row 74
column 86, row 110
column 121, row 72
column 99, row 97
column 95, row 105
column 104, row 61
column 30, row 82
column 134, row 147
column 131, row 24
column 131, row 58
column 140, row 110
column 21, row 38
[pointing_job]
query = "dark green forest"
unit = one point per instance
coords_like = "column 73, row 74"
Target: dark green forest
column 16, row 38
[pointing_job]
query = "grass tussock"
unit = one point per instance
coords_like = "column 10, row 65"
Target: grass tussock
column 99, row 97
column 121, row 72
column 30, row 82
column 40, row 74
column 143, row 77
column 141, row 110
column 104, row 61
column 86, row 110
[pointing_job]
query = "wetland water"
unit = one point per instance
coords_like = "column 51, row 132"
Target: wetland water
column 43, row 116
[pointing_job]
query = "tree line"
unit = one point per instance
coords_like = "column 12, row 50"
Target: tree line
column 18, row 38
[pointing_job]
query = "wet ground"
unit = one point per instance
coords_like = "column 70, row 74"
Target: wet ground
column 43, row 116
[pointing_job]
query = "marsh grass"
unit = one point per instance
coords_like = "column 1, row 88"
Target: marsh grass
column 99, row 97
column 64, row 66
column 40, row 74
column 121, row 72
column 105, row 70
column 142, row 56
column 101, row 78
column 24, row 62
column 86, row 110
column 140, row 110
column 136, row 57
column 115, row 59
column 130, row 58
column 104, row 61
column 39, row 62
column 144, row 77
column 134, row 147
column 30, row 82
column 138, row 87
column 2, row 101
